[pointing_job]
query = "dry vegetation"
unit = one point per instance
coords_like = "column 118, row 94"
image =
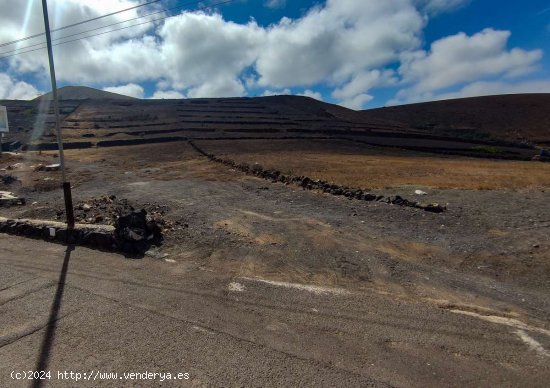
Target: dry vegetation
column 362, row 166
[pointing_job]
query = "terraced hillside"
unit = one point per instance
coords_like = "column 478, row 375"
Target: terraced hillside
column 112, row 121
column 516, row 117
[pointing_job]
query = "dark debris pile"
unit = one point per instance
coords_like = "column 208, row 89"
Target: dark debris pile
column 107, row 209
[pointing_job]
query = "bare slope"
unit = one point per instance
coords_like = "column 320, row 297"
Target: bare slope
column 510, row 117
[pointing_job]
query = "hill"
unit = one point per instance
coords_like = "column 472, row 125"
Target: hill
column 311, row 106
column 84, row 93
column 92, row 118
column 514, row 117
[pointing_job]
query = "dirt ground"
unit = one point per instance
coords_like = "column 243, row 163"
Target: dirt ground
column 359, row 165
column 487, row 256
column 474, row 234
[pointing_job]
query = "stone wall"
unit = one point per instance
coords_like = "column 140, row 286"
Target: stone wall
column 93, row 236
column 310, row 184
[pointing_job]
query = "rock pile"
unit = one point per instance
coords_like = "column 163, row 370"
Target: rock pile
column 327, row 187
column 106, row 209
column 135, row 230
column 101, row 210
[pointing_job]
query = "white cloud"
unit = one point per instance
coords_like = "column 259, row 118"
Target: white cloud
column 312, row 94
column 354, row 94
column 80, row 61
column 364, row 81
column 274, row 4
column 208, row 54
column 343, row 45
column 282, row 92
column 132, row 90
column 335, row 42
column 460, row 58
column 435, row 7
column 218, row 87
column 357, row 102
column 287, row 91
column 11, row 89
column 484, row 88
column 168, row 94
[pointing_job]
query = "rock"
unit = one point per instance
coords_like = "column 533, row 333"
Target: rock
column 256, row 168
column 134, row 233
column 9, row 179
column 132, row 227
column 397, row 200
column 420, row 192
column 156, row 254
column 8, row 199
column 434, row 208
column 7, row 195
column 86, row 207
column 369, row 197
column 52, row 167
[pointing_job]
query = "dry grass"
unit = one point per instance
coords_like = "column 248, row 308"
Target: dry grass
column 360, row 166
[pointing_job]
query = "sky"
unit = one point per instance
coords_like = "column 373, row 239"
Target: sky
column 357, row 53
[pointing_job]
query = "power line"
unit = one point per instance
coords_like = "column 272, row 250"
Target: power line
column 95, row 29
column 116, row 29
column 79, row 23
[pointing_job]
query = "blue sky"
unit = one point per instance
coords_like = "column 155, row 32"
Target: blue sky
column 360, row 54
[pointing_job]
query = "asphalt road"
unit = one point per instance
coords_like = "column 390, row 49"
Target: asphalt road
column 93, row 313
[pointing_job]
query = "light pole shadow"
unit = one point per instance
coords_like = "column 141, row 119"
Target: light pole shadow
column 47, row 341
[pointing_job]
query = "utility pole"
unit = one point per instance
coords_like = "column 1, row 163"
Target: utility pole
column 66, row 185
